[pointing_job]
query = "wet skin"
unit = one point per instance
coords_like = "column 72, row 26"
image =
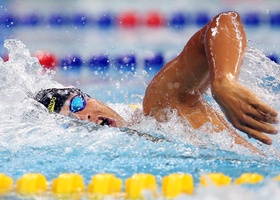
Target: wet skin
column 211, row 58
column 95, row 111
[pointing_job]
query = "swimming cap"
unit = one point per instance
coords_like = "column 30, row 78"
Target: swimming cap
column 54, row 98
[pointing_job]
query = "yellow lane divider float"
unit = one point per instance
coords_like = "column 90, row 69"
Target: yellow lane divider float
column 31, row 183
column 215, row 179
column 176, row 184
column 6, row 184
column 138, row 186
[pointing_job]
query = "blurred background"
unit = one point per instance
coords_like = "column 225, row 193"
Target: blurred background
column 106, row 41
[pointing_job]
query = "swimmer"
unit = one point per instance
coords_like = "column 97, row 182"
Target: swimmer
column 211, row 58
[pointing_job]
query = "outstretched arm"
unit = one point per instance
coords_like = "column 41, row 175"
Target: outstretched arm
column 212, row 57
column 225, row 43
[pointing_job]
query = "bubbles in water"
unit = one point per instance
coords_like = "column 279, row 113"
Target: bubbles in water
column 261, row 75
column 27, row 128
column 118, row 84
column 21, row 77
column 144, row 73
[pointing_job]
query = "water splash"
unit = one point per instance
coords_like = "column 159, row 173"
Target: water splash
column 21, row 77
column 33, row 140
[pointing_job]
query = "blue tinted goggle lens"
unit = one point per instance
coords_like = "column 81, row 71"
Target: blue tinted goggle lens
column 77, row 103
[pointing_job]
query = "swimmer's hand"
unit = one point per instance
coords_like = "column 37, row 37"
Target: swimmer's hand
column 244, row 110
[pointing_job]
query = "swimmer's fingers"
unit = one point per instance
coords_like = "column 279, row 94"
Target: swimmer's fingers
column 264, row 112
column 269, row 117
column 259, row 125
column 257, row 135
column 255, row 128
column 257, row 119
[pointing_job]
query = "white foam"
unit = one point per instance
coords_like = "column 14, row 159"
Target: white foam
column 25, row 123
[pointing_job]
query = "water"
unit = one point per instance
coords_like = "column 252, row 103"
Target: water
column 34, row 141
column 31, row 140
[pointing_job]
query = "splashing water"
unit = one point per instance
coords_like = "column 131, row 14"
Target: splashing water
column 31, row 140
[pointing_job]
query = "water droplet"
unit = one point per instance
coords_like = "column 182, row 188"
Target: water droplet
column 118, row 84
column 144, row 72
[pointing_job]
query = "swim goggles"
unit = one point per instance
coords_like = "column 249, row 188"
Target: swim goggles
column 77, row 103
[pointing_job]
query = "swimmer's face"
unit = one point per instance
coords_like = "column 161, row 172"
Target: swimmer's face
column 95, row 111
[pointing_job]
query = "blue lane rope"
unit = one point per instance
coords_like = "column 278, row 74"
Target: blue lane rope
column 125, row 62
column 102, row 62
column 122, row 62
column 179, row 19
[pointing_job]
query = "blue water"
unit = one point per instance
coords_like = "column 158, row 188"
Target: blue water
column 34, row 141
column 31, row 140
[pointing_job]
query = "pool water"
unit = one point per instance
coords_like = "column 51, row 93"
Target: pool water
column 31, row 140
column 34, row 141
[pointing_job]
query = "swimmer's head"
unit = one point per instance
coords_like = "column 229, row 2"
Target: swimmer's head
column 54, row 98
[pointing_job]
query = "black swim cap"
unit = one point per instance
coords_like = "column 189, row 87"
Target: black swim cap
column 54, row 98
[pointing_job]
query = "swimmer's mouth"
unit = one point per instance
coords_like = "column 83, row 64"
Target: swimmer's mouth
column 103, row 121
